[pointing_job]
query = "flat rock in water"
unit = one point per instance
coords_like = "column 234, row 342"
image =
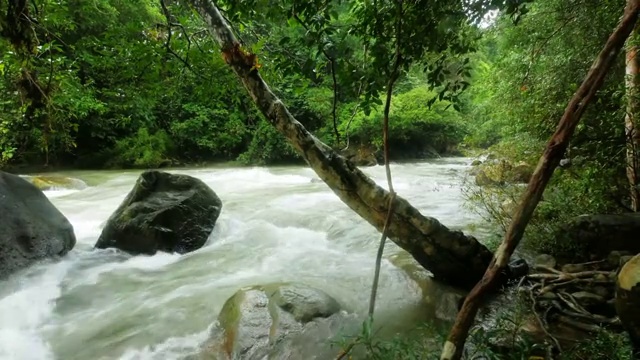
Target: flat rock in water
column 255, row 319
column 163, row 212
column 56, row 182
column 31, row 227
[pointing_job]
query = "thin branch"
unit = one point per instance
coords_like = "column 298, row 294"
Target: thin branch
column 167, row 43
column 332, row 62
column 545, row 41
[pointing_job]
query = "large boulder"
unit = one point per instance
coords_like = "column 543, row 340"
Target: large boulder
column 500, row 172
column 627, row 301
column 163, row 212
column 255, row 319
column 31, row 227
column 599, row 235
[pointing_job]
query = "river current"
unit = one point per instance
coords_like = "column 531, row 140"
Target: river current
column 277, row 224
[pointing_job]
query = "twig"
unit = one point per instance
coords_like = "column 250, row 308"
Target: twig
column 167, row 43
column 385, row 132
column 542, row 323
column 579, row 325
column 332, row 62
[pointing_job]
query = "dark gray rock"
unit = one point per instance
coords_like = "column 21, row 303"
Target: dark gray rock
column 163, row 212
column 599, row 235
column 31, row 227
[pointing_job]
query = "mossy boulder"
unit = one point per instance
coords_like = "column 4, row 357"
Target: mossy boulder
column 361, row 156
column 255, row 319
column 521, row 173
column 500, row 172
column 32, row 228
column 627, row 301
column 163, row 212
column 56, row 182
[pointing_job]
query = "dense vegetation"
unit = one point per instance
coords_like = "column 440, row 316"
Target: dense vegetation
column 118, row 84
column 523, row 80
column 140, row 83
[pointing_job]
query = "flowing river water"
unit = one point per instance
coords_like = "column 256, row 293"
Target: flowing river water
column 277, row 224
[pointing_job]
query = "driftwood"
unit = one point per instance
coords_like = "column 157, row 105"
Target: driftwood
column 550, row 159
column 582, row 300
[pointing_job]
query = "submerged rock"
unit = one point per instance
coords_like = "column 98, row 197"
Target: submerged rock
column 163, row 212
column 31, row 227
column 56, row 182
column 255, row 319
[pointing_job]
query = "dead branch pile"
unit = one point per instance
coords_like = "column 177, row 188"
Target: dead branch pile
column 580, row 296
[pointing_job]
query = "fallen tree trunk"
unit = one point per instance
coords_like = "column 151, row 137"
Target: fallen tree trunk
column 451, row 256
column 548, row 162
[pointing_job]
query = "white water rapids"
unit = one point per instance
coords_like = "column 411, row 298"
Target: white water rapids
column 276, row 225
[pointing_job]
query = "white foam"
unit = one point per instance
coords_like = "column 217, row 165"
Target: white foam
column 172, row 348
column 26, row 310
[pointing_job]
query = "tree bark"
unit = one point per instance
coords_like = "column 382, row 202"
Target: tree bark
column 550, row 159
column 631, row 131
column 451, row 256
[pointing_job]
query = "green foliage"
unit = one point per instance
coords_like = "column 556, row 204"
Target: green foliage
column 414, row 128
column 143, row 150
column 112, row 67
column 500, row 335
column 268, row 146
column 523, row 80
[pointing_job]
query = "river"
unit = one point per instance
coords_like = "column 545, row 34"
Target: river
column 276, row 225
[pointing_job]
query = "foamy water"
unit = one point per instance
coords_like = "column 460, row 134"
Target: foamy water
column 276, row 225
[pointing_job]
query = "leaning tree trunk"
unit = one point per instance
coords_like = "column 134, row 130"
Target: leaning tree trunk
column 451, row 256
column 550, row 159
column 631, row 132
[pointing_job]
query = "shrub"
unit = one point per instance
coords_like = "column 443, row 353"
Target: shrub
column 143, row 149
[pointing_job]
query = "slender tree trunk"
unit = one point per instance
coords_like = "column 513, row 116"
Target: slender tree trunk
column 631, row 131
column 451, row 256
column 550, row 159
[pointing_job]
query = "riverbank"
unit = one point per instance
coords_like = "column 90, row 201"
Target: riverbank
column 361, row 155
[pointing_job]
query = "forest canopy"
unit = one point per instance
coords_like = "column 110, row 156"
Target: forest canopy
column 112, row 83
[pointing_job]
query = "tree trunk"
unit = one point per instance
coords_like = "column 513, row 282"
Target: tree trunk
column 451, row 256
column 550, row 159
column 631, row 132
